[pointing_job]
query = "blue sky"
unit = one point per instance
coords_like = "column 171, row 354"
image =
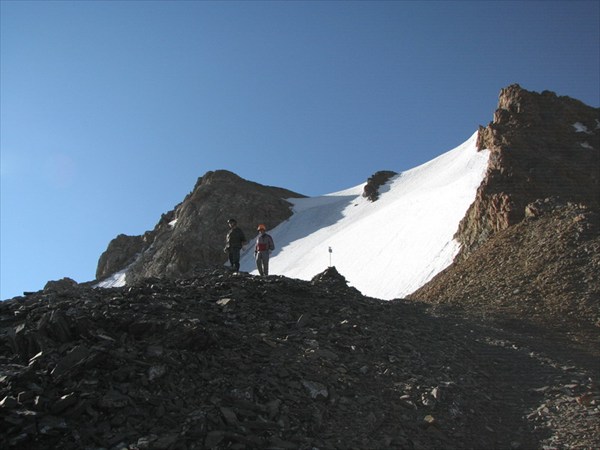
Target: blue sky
column 110, row 111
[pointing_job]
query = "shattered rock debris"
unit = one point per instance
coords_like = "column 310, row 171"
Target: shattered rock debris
column 235, row 361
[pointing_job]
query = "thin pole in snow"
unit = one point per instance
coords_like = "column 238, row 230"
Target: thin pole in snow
column 330, row 252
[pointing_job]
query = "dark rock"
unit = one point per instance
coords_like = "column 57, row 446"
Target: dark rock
column 540, row 207
column 225, row 361
column 375, row 181
column 63, row 403
column 63, row 285
column 113, row 400
column 330, row 276
column 70, row 361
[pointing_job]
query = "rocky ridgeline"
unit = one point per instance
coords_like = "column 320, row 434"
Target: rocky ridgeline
column 235, row 361
column 542, row 145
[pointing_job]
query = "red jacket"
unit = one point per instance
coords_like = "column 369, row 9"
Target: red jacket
column 264, row 243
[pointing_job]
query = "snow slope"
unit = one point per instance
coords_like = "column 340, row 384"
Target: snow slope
column 388, row 248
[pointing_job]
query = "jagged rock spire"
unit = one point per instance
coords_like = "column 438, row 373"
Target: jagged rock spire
column 542, row 145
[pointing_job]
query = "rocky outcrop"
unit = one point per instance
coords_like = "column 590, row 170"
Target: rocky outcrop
column 121, row 252
column 223, row 361
column 542, row 145
column 62, row 285
column 330, row 276
column 543, row 269
column 375, row 181
column 191, row 236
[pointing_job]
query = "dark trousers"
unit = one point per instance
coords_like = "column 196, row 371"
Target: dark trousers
column 234, row 258
column 262, row 263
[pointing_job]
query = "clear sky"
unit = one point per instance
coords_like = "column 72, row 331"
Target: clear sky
column 110, row 110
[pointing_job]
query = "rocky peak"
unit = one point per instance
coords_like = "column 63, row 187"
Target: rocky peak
column 542, row 146
column 191, row 236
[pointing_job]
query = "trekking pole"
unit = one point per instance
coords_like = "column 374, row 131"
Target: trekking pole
column 330, row 252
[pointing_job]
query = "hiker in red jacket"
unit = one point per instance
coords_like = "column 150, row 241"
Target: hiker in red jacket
column 262, row 249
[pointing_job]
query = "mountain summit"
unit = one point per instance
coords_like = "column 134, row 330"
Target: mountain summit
column 394, row 233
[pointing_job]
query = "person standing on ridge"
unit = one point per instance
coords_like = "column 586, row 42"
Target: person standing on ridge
column 262, row 249
column 235, row 240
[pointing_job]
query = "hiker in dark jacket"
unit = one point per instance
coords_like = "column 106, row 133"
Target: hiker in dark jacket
column 262, row 249
column 234, row 242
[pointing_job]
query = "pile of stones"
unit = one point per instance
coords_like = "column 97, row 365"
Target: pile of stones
column 224, row 360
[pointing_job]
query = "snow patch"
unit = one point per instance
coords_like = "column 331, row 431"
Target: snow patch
column 581, row 128
column 115, row 280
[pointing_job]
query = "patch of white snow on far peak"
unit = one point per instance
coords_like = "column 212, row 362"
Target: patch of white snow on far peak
column 581, row 128
column 115, row 280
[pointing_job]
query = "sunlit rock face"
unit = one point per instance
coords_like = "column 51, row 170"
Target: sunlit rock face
column 542, row 146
